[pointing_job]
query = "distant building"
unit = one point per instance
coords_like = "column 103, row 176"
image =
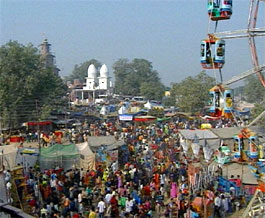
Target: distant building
column 48, row 57
column 95, row 86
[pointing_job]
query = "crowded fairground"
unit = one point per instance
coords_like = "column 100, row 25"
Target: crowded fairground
column 82, row 145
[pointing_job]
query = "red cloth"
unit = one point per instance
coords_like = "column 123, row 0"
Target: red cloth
column 147, row 190
column 113, row 202
column 76, row 215
column 156, row 179
column 32, row 202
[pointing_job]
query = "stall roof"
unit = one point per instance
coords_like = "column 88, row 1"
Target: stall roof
column 204, row 136
column 97, row 141
column 229, row 132
column 201, row 134
column 239, row 169
column 260, row 130
column 226, row 133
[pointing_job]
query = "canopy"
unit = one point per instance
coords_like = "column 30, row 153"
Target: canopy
column 239, row 169
column 66, row 151
column 205, row 138
column 144, row 118
column 201, row 134
column 36, row 123
column 226, row 133
column 163, row 119
column 87, row 157
column 97, row 141
column 58, row 155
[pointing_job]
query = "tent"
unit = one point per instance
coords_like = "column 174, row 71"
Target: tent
column 104, row 110
column 8, row 155
column 203, row 136
column 123, row 110
column 199, row 138
column 87, row 157
column 97, row 141
column 226, row 133
column 27, row 157
column 149, row 105
column 58, row 155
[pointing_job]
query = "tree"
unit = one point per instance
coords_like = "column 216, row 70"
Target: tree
column 134, row 78
column 152, row 90
column 169, row 101
column 254, row 92
column 80, row 71
column 27, row 89
column 191, row 94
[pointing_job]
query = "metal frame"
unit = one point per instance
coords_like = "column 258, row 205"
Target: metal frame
column 251, row 32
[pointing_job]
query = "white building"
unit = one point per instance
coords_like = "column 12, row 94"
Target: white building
column 95, row 86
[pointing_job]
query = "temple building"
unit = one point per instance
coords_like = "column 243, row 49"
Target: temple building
column 95, row 87
column 48, row 57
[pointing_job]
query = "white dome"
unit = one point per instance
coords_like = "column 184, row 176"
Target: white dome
column 104, row 72
column 92, row 71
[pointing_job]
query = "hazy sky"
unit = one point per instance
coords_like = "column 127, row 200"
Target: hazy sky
column 167, row 33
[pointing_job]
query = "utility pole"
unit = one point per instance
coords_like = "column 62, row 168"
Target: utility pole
column 38, row 120
column 39, row 146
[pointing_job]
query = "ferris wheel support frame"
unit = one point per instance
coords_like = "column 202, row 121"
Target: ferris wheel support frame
column 249, row 33
column 252, row 23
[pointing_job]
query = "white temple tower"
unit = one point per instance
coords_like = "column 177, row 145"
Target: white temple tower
column 104, row 79
column 91, row 79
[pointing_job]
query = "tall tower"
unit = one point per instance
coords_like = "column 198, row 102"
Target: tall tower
column 91, row 79
column 104, row 79
column 48, row 57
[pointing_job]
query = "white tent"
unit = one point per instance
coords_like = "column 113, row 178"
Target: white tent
column 148, row 105
column 204, row 138
column 8, row 156
column 87, row 157
column 123, row 110
column 104, row 110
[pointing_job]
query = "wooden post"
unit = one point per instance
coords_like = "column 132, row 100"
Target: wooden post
column 242, row 173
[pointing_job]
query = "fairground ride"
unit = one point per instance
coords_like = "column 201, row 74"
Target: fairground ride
column 213, row 57
column 213, row 53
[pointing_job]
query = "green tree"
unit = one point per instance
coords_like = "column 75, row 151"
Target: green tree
column 254, row 92
column 134, row 78
column 27, row 89
column 80, row 71
column 169, row 101
column 191, row 94
column 152, row 90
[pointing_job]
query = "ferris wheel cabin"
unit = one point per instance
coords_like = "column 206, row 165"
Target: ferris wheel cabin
column 219, row 9
column 221, row 101
column 212, row 53
column 246, row 146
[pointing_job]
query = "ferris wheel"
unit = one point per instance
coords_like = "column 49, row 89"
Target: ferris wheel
column 213, row 52
column 251, row 32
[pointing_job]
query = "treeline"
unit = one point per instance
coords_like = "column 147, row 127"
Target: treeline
column 28, row 91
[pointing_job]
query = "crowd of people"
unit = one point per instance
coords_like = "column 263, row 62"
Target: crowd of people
column 98, row 128
column 150, row 178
